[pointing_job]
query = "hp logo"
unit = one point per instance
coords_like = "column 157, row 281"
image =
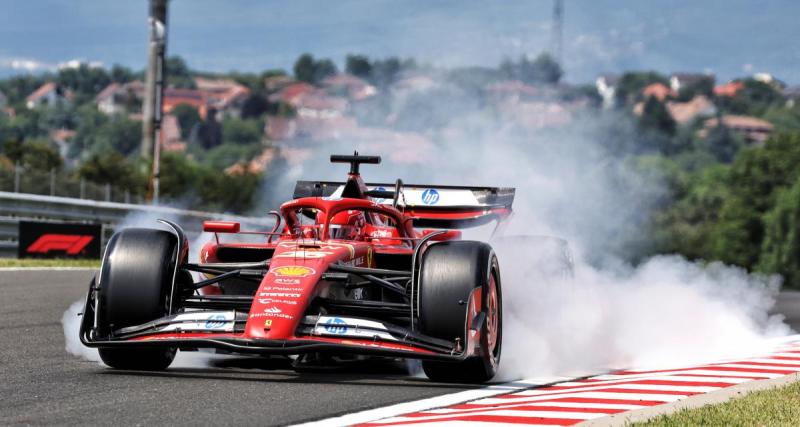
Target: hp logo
column 430, row 196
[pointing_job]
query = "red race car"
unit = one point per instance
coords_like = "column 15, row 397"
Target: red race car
column 349, row 270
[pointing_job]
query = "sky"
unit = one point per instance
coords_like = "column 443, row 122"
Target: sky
column 730, row 38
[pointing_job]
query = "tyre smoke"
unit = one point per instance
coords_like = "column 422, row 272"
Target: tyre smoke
column 614, row 313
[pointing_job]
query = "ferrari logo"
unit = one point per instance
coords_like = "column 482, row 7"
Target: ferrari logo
column 293, row 271
column 267, row 324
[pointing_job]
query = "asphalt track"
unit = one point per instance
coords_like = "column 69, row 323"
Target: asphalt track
column 43, row 384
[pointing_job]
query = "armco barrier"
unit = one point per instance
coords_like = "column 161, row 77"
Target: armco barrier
column 15, row 207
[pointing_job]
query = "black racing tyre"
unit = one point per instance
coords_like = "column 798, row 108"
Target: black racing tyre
column 449, row 273
column 135, row 287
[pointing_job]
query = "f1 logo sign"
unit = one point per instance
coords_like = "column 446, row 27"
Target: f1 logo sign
column 72, row 244
column 59, row 240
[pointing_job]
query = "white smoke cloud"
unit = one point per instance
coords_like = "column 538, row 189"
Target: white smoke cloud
column 662, row 311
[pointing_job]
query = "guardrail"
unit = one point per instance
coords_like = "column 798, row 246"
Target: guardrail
column 15, row 207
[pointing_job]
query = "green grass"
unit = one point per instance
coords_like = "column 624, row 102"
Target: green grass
column 32, row 262
column 772, row 407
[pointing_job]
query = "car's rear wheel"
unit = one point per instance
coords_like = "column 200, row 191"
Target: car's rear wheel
column 449, row 273
column 135, row 287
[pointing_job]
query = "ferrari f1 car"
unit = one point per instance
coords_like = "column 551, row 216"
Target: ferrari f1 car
column 349, row 269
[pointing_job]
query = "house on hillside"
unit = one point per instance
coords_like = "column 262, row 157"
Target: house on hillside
column 511, row 91
column 276, row 83
column 318, row 105
column 606, row 85
column 174, row 96
column 679, row 81
column 685, row 112
column 658, row 90
column 119, row 98
column 349, row 86
column 225, row 95
column 729, row 89
column 752, row 129
column 292, row 93
column 49, row 94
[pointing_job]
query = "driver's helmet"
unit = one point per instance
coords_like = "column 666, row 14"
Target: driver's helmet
column 348, row 225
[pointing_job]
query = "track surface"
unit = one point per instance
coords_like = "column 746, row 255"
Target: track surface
column 42, row 384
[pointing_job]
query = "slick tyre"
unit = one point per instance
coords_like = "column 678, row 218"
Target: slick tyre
column 135, row 287
column 449, row 273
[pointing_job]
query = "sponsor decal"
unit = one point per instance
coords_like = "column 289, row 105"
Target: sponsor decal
column 310, row 254
column 282, row 281
column 276, row 301
column 273, row 310
column 215, row 321
column 280, row 315
column 381, row 233
column 336, row 326
column 279, row 294
column 369, row 256
column 355, row 262
column 430, row 196
column 283, row 288
column 293, row 271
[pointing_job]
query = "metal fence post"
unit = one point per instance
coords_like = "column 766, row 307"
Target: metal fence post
column 108, row 192
column 83, row 188
column 53, row 181
column 127, row 196
column 17, row 173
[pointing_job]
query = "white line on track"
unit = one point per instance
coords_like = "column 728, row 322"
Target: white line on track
column 48, row 269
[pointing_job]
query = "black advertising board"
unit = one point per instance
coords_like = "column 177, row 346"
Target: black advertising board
column 58, row 240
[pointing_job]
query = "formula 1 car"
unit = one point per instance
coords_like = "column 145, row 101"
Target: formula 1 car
column 349, row 269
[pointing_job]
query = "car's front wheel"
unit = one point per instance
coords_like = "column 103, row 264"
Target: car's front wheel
column 449, row 274
column 135, row 287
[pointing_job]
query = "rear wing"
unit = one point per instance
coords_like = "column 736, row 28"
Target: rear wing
column 437, row 206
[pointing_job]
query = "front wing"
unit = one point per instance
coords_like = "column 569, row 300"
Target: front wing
column 224, row 330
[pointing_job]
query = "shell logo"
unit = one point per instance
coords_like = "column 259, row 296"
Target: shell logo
column 293, row 271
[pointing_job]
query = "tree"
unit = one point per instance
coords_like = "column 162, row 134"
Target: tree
column 309, row 70
column 304, row 68
column 255, row 106
column 41, row 155
column 84, row 81
column 241, row 132
column 755, row 179
column 178, row 73
column 656, row 116
column 208, row 133
column 187, row 117
column 114, row 169
column 359, row 66
column 178, row 176
column 324, row 68
column 704, row 87
column 780, row 252
column 121, row 74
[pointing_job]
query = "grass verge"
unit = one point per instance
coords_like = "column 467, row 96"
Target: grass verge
column 773, row 407
column 33, row 262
